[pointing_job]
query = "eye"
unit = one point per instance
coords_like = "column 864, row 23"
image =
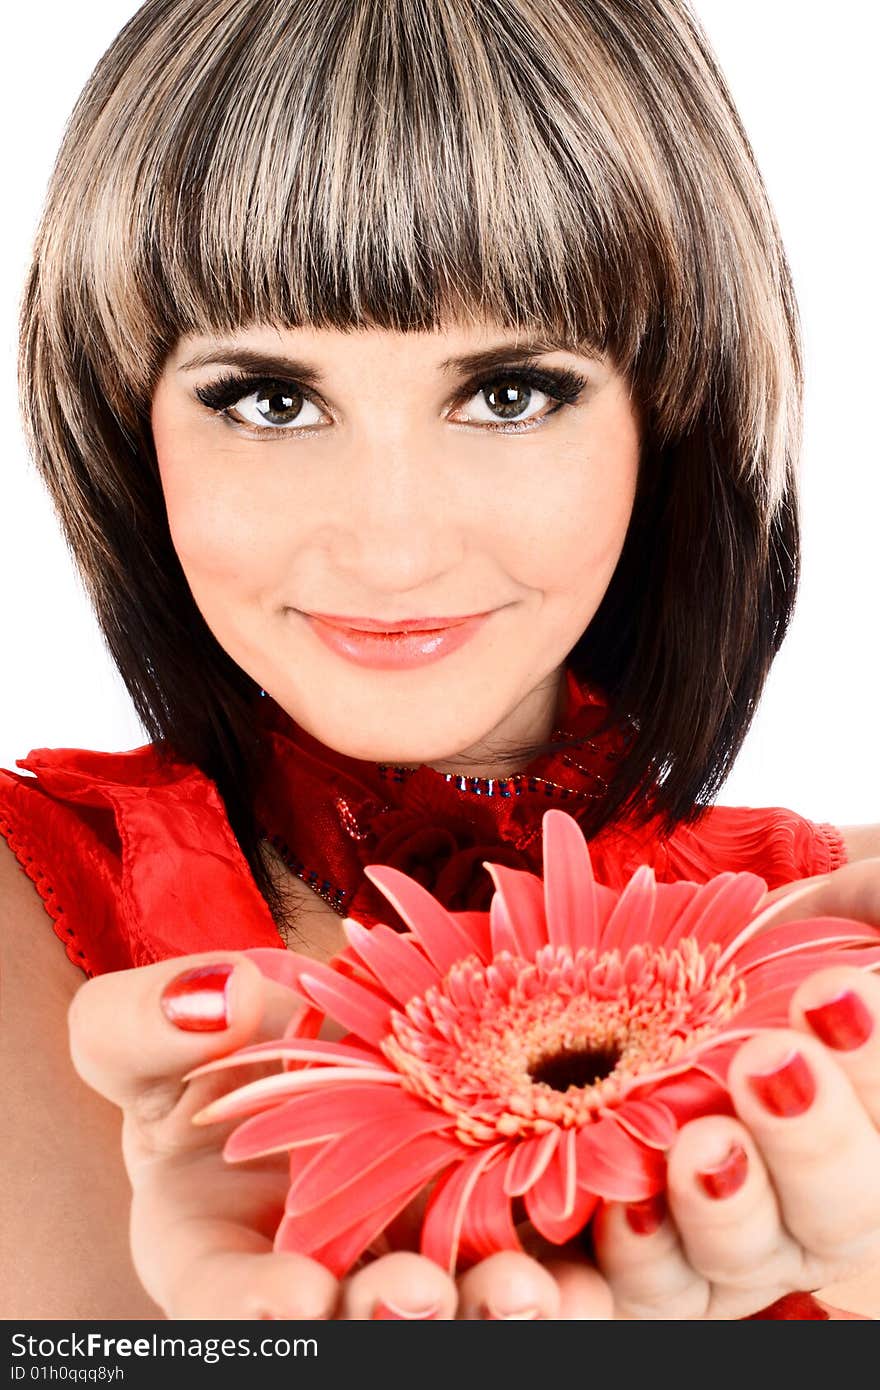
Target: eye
column 269, row 406
column 518, row 399
column 506, row 400
column 279, row 405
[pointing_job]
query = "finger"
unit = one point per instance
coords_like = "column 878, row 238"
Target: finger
column 841, row 1007
column 507, row 1285
column 229, row 1284
column 821, row 1150
column 852, row 891
column 800, row 887
column 402, row 1287
column 728, row 1219
column 584, row 1295
column 639, row 1253
column 125, row 1045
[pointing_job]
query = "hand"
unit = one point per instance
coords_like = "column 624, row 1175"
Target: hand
column 201, row 1228
column 807, row 1211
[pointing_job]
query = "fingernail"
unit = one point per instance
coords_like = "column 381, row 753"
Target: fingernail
column 646, row 1217
column 788, row 1089
column 196, row 1000
column 490, row 1314
column 385, row 1310
column 844, row 1023
column 726, row 1177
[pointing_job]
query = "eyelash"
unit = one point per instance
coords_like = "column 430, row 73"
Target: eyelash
column 559, row 384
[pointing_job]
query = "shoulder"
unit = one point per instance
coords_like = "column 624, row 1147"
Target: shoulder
column 27, row 950
column 59, row 820
column 778, row 844
column 133, row 856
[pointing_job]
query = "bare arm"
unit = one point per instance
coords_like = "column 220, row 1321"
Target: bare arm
column 64, row 1192
column 861, row 841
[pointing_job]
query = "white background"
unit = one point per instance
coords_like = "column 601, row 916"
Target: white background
column 805, row 82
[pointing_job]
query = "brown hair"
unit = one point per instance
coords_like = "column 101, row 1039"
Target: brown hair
column 572, row 168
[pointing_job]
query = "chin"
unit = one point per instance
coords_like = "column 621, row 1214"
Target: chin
column 396, row 754
column 401, row 749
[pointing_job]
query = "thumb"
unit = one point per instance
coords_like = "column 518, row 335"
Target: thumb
column 852, row 891
column 137, row 1032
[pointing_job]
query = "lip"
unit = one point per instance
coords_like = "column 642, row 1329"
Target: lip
column 397, row 648
column 385, row 626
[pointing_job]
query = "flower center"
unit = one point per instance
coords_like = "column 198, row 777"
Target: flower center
column 570, row 1068
column 517, row 1047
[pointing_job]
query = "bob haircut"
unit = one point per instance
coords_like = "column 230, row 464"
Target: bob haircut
column 571, row 169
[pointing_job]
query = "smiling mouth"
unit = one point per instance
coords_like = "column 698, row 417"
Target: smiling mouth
column 396, row 648
column 386, row 627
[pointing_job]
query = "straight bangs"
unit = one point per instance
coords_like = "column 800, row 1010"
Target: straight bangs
column 549, row 167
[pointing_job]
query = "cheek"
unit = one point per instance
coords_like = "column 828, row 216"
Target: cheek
column 571, row 532
column 220, row 531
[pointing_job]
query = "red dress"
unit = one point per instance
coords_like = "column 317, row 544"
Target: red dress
column 135, row 861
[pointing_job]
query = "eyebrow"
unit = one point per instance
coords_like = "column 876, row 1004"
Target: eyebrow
column 274, row 364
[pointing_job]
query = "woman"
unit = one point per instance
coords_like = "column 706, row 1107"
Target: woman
column 468, row 320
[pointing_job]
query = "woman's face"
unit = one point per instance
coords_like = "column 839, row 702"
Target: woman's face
column 381, row 475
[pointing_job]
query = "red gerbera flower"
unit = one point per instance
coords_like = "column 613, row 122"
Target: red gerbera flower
column 546, row 1051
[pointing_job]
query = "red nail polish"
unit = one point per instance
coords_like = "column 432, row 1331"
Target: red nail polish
column 196, row 1000
column 843, row 1023
column 646, row 1217
column 788, row 1089
column 726, row 1177
column 387, row 1311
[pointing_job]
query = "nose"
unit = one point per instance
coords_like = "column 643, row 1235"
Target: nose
column 397, row 525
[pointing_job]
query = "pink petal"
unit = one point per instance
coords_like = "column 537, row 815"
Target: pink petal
column 304, row 1050
column 615, row 1166
column 503, row 935
column 528, row 1161
column 339, row 1254
column 443, row 939
column 569, row 889
column 719, row 911
column 320, row 1114
column 522, row 895
column 789, row 970
column 401, row 969
column 558, row 1229
column 307, row 1024
column 356, row 1153
column 630, row 923
column 445, row 1212
column 554, row 1192
column 715, row 1064
column 488, row 1219
column 361, row 1010
column 476, row 925
column 382, row 1186
column 671, row 901
column 650, row 1121
column 802, row 936
column 688, row 1096
column 606, row 902
column 269, row 1090
column 277, row 965
column 769, row 1007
